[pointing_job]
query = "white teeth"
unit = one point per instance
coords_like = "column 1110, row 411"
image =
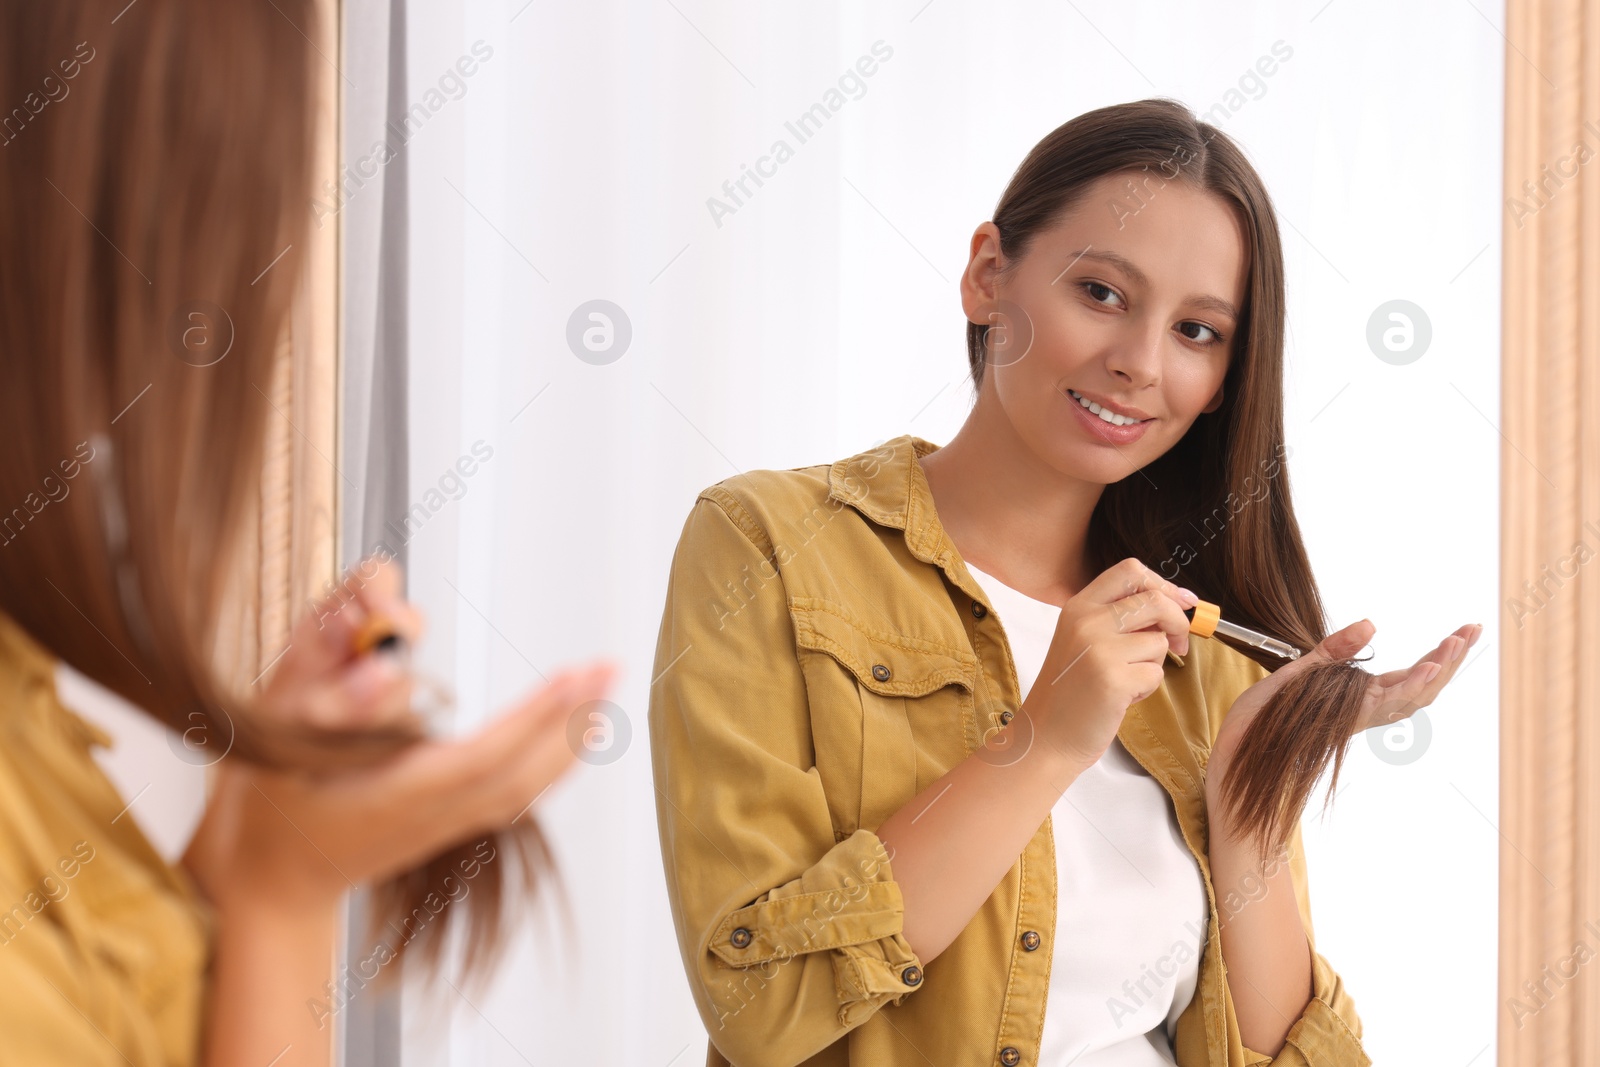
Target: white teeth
column 1105, row 414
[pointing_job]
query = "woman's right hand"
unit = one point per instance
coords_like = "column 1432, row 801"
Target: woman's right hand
column 1108, row 653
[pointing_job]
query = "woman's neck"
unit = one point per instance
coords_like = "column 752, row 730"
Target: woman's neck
column 1009, row 513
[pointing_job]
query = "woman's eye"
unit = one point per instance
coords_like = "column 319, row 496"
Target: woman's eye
column 1092, row 287
column 1216, row 338
column 1096, row 289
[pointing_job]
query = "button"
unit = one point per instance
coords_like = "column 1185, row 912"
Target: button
column 1010, row 1056
column 741, row 938
column 978, row 610
column 1030, row 940
column 880, row 672
column 912, row 975
column 1006, row 716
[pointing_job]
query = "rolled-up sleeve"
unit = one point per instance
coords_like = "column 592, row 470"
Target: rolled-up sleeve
column 1328, row 1031
column 790, row 936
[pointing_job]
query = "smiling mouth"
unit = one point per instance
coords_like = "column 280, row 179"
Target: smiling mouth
column 1103, row 414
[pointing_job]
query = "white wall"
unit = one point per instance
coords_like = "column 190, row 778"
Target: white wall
column 823, row 316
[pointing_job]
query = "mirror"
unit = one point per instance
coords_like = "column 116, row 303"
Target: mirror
column 613, row 254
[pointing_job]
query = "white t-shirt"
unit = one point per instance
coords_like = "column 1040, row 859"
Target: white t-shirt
column 1131, row 907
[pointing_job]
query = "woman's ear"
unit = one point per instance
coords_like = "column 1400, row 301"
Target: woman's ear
column 978, row 280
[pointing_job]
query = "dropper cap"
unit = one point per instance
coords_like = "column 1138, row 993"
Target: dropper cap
column 1205, row 619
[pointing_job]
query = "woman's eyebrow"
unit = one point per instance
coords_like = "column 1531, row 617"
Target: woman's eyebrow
column 1124, row 264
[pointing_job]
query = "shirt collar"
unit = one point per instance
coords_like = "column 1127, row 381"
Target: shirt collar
column 887, row 485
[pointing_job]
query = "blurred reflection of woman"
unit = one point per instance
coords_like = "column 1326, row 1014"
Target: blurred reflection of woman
column 164, row 160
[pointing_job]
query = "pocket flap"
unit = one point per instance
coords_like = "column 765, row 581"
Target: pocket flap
column 890, row 664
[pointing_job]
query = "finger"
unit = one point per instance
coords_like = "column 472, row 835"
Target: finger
column 1153, row 610
column 1128, row 578
column 1402, row 699
column 512, row 766
column 481, row 761
column 541, row 763
column 1450, row 653
column 1146, row 646
column 1339, row 645
column 1139, row 598
column 325, row 636
column 368, row 692
column 376, row 584
column 377, row 578
column 1335, row 647
column 582, row 690
column 547, row 761
column 450, row 790
column 322, row 638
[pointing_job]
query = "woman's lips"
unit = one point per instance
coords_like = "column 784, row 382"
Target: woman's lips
column 1103, row 430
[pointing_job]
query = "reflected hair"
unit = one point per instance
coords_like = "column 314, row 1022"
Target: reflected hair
column 1228, row 474
column 178, row 170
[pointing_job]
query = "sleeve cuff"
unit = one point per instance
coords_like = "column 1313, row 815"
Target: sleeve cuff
column 847, row 904
column 1328, row 1032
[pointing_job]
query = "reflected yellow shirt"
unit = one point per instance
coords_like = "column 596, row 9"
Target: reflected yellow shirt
column 103, row 944
column 824, row 656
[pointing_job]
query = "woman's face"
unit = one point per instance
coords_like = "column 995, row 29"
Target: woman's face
column 1131, row 302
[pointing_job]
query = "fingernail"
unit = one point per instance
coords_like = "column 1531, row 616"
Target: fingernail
column 1188, row 596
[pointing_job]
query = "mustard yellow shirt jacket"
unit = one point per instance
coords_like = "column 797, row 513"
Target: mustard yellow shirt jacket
column 824, row 655
column 103, row 944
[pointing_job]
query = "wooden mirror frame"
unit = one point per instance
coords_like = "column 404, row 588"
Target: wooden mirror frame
column 1549, row 1003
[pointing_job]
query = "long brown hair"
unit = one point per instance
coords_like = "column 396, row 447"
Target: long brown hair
column 156, row 161
column 1214, row 512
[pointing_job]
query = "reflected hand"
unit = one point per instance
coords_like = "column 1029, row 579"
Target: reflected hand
column 292, row 839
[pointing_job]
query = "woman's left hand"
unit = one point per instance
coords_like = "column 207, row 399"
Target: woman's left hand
column 299, row 836
column 1390, row 697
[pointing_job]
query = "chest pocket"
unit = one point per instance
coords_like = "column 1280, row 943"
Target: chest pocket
column 878, row 700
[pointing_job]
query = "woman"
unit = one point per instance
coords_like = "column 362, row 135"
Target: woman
column 161, row 156
column 897, row 832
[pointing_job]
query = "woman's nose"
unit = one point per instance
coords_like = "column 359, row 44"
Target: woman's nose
column 1136, row 358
